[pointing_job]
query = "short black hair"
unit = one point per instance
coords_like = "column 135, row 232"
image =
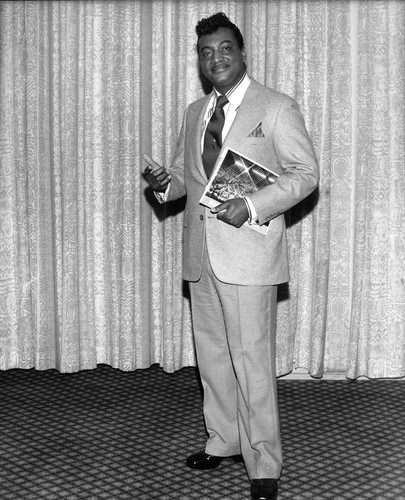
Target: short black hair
column 209, row 25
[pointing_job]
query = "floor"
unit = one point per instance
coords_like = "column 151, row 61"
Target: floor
column 113, row 435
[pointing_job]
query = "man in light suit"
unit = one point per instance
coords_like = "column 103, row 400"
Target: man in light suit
column 234, row 270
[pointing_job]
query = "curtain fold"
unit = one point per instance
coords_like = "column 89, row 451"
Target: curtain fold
column 377, row 316
column 90, row 263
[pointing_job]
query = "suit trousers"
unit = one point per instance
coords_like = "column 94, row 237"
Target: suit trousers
column 235, row 338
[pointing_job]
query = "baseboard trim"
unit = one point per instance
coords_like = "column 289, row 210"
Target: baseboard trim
column 302, row 374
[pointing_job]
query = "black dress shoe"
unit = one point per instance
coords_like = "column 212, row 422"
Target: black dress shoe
column 264, row 489
column 204, row 461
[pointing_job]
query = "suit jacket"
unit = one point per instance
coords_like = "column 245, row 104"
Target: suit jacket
column 269, row 129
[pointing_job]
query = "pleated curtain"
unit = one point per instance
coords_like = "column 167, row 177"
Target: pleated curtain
column 90, row 263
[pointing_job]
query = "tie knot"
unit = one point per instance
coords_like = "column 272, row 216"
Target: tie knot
column 221, row 101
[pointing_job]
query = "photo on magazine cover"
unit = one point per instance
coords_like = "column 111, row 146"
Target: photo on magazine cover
column 236, row 176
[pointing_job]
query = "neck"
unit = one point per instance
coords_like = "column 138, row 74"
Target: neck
column 229, row 91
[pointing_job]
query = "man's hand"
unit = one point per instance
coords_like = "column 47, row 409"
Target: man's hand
column 233, row 212
column 156, row 176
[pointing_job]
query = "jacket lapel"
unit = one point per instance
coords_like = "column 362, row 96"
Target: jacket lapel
column 198, row 118
column 249, row 116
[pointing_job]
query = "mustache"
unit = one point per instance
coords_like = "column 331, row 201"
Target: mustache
column 213, row 67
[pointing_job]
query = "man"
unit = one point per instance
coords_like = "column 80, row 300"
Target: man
column 234, row 270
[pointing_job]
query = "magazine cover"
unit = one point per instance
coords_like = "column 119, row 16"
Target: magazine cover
column 236, row 176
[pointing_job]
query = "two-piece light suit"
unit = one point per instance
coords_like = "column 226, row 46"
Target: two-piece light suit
column 241, row 412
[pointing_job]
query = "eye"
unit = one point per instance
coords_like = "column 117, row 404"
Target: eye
column 226, row 48
column 206, row 53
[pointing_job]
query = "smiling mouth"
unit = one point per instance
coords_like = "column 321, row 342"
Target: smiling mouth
column 219, row 69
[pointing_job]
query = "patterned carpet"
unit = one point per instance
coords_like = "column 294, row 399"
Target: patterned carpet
column 112, row 435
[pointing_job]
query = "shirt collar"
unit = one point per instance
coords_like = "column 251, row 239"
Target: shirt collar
column 237, row 92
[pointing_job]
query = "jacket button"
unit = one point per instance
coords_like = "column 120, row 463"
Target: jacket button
column 201, row 217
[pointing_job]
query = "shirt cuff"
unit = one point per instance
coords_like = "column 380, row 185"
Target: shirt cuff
column 253, row 218
column 162, row 196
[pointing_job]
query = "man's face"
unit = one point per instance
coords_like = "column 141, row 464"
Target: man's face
column 221, row 59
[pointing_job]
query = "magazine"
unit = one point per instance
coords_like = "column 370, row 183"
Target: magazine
column 236, row 176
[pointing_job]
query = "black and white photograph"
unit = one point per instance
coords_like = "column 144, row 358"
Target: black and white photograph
column 202, row 249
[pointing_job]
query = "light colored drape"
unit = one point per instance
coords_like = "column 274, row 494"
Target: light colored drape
column 90, row 265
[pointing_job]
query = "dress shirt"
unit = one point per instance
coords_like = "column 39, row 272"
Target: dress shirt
column 235, row 96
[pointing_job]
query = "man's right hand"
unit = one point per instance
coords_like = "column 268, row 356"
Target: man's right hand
column 156, row 176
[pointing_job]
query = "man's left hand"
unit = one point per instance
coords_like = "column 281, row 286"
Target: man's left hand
column 233, row 212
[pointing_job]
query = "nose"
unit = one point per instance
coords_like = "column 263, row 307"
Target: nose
column 217, row 55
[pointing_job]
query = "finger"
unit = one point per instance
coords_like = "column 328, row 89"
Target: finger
column 219, row 208
column 223, row 216
column 156, row 176
column 160, row 174
column 164, row 183
column 151, row 163
column 164, row 178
